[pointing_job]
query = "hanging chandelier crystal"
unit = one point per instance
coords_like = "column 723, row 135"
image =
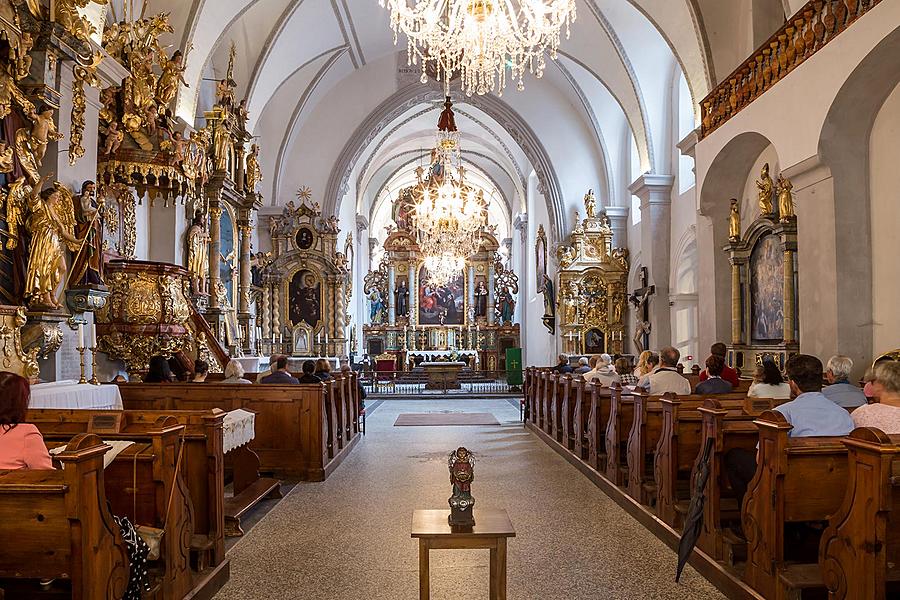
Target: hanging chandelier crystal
column 448, row 215
column 481, row 39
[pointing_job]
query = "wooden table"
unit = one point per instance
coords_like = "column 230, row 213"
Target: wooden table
column 443, row 375
column 492, row 527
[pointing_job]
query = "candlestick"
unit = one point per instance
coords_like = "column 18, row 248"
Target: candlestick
column 93, row 380
column 81, row 350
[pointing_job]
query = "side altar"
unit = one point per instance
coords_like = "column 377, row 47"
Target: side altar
column 410, row 320
column 591, row 287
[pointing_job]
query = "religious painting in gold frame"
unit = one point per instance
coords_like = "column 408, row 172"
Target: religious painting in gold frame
column 305, row 298
column 442, row 305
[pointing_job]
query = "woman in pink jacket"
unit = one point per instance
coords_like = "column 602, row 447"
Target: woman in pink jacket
column 21, row 444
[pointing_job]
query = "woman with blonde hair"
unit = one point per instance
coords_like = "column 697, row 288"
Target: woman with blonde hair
column 643, row 366
column 234, row 372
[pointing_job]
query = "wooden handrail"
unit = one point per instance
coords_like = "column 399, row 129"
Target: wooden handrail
column 814, row 25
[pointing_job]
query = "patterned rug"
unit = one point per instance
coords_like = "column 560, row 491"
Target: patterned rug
column 444, row 419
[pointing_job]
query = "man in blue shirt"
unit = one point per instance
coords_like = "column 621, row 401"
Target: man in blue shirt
column 810, row 412
column 840, row 390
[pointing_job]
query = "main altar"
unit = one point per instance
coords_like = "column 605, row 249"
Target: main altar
column 469, row 319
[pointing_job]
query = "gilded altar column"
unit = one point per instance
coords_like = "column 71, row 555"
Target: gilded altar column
column 392, row 301
column 470, row 295
column 490, row 306
column 276, row 311
column 789, row 296
column 215, row 247
column 266, row 311
column 736, row 329
column 340, row 317
column 244, row 299
column 413, row 301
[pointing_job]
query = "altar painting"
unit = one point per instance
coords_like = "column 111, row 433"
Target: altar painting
column 305, row 296
column 767, row 290
column 594, row 341
column 442, row 305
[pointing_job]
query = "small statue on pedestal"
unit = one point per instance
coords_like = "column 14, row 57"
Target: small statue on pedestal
column 462, row 474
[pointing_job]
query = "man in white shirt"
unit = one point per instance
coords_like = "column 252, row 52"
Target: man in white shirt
column 666, row 378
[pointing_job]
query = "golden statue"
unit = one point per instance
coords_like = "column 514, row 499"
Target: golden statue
column 253, row 171
column 766, row 189
column 590, row 204
column 51, row 224
column 734, row 222
column 785, row 199
column 198, row 253
column 172, row 75
column 31, row 144
column 67, row 15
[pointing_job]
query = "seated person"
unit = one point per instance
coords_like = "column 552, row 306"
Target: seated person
column 21, row 444
column 309, row 372
column 651, row 367
column 179, row 372
column 728, row 374
column 272, row 360
column 563, row 365
column 839, row 389
column 158, row 371
column 280, row 375
column 201, row 371
column 666, row 378
column 885, row 414
column 714, row 384
column 625, row 372
column 643, row 367
column 768, row 383
column 234, row 372
column 345, row 371
column 583, row 366
column 810, row 413
column 323, row 369
column 601, row 375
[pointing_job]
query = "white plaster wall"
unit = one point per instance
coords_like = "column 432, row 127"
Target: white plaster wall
column 538, row 346
column 884, row 148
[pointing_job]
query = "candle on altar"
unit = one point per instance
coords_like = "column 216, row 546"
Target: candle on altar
column 94, row 335
column 81, row 335
column 319, row 338
column 280, row 338
column 326, row 339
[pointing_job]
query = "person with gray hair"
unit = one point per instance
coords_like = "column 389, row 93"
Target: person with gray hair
column 667, row 378
column 234, row 372
column 583, row 366
column 840, row 390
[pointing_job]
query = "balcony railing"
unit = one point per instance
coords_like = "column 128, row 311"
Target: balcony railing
column 804, row 34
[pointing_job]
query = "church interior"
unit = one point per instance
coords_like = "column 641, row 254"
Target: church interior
column 627, row 261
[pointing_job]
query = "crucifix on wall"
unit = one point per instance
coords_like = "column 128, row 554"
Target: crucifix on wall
column 640, row 298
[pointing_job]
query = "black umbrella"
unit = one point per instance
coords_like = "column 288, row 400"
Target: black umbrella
column 693, row 522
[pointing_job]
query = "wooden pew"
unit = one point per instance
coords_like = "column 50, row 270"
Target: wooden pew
column 797, row 480
column 859, row 554
column 301, row 430
column 597, row 420
column 681, row 441
column 621, row 414
column 56, row 524
column 202, row 468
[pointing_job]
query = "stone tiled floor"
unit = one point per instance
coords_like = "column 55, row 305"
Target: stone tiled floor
column 348, row 537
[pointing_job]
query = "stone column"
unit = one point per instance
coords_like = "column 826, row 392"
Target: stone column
column 245, row 277
column 215, row 246
column 736, row 324
column 413, row 301
column 655, row 192
column 618, row 222
column 491, row 299
column 392, row 301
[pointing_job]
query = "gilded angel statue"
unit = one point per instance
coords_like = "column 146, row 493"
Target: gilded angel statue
column 31, row 144
column 172, row 76
column 51, row 223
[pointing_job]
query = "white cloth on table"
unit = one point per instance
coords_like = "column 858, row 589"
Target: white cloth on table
column 239, row 428
column 73, row 395
column 116, row 448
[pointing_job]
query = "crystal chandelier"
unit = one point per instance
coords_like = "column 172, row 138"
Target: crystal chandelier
column 481, row 39
column 448, row 215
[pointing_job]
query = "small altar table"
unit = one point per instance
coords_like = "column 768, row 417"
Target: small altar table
column 443, row 375
column 492, row 528
column 71, row 394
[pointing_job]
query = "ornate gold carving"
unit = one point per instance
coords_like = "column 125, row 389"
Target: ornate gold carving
column 83, row 75
column 766, row 190
column 13, row 356
column 785, row 199
column 142, row 303
column 734, row 222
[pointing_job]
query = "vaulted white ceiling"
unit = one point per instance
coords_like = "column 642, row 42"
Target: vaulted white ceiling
column 334, row 111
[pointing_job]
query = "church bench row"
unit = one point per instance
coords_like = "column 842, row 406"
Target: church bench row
column 61, row 527
column 302, row 431
column 787, row 471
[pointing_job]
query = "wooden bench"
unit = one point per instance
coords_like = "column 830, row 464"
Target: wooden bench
column 597, row 420
column 797, row 480
column 302, row 431
column 621, row 415
column 56, row 524
column 859, row 553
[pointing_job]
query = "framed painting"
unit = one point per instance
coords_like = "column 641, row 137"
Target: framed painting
column 767, row 290
column 441, row 305
column 540, row 257
column 305, row 297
